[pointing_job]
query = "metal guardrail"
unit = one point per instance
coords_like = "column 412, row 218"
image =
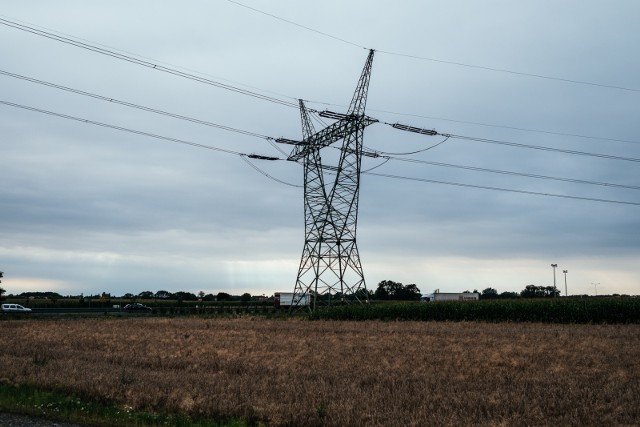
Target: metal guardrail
column 159, row 310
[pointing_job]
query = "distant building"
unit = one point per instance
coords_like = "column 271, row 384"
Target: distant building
column 448, row 296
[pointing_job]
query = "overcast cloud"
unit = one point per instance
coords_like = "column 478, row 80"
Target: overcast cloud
column 91, row 209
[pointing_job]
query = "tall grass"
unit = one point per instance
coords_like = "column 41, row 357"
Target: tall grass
column 299, row 372
column 551, row 310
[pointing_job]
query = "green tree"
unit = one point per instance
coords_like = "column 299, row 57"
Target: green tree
column 222, row 296
column 508, row 294
column 246, row 297
column 387, row 289
column 409, row 293
column 185, row 296
column 163, row 295
column 390, row 290
column 533, row 291
column 489, row 293
column 2, row 291
column 363, row 294
column 146, row 295
column 552, row 292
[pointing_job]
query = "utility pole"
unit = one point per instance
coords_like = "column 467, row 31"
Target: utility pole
column 555, row 290
column 566, row 293
column 330, row 265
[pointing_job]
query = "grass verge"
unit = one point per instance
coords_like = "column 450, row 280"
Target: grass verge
column 52, row 405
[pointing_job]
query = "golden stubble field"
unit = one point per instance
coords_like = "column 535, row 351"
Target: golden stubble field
column 372, row 373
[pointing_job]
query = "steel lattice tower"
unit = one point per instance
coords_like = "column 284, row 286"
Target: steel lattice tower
column 330, row 267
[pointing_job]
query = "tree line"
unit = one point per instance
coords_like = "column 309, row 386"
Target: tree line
column 387, row 290
column 390, row 290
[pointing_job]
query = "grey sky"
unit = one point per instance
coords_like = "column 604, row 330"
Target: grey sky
column 91, row 209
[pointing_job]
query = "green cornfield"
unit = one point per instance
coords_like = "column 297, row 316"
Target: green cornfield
column 552, row 310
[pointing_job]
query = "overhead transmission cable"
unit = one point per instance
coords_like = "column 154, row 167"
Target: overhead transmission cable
column 491, row 125
column 31, row 28
column 245, row 156
column 121, row 128
column 143, row 62
column 483, row 187
column 262, row 172
column 424, row 58
column 512, row 173
column 422, row 150
column 520, row 129
column 296, row 24
column 533, row 193
column 132, row 105
column 542, row 148
column 431, row 132
column 150, row 59
column 398, row 126
column 148, row 64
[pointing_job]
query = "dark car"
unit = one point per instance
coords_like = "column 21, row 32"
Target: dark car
column 136, row 307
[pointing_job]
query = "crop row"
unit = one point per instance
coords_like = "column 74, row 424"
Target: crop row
column 553, row 310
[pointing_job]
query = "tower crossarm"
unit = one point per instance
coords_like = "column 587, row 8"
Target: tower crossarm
column 327, row 136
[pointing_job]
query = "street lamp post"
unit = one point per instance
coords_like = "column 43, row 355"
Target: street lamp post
column 555, row 290
column 566, row 294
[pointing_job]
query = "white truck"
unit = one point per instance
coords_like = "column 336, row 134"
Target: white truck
column 449, row 296
column 286, row 300
column 14, row 308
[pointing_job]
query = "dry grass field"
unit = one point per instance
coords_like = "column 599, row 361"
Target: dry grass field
column 337, row 373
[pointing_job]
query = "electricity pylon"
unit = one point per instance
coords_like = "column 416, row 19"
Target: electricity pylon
column 330, row 268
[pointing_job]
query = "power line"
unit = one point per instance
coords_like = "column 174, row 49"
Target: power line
column 240, row 131
column 262, row 172
column 150, row 59
column 386, row 153
column 120, row 128
column 541, row 147
column 244, row 132
column 521, row 129
column 142, row 62
column 243, row 91
column 518, row 73
column 424, row 58
column 492, row 125
column 431, row 132
column 132, row 105
column 298, row 25
column 244, row 156
column 31, row 28
column 533, row 193
column 504, row 172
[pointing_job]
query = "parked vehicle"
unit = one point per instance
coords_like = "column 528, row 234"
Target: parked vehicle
column 136, row 307
column 15, row 308
column 286, row 300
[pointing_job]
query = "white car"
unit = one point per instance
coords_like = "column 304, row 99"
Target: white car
column 15, row 308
